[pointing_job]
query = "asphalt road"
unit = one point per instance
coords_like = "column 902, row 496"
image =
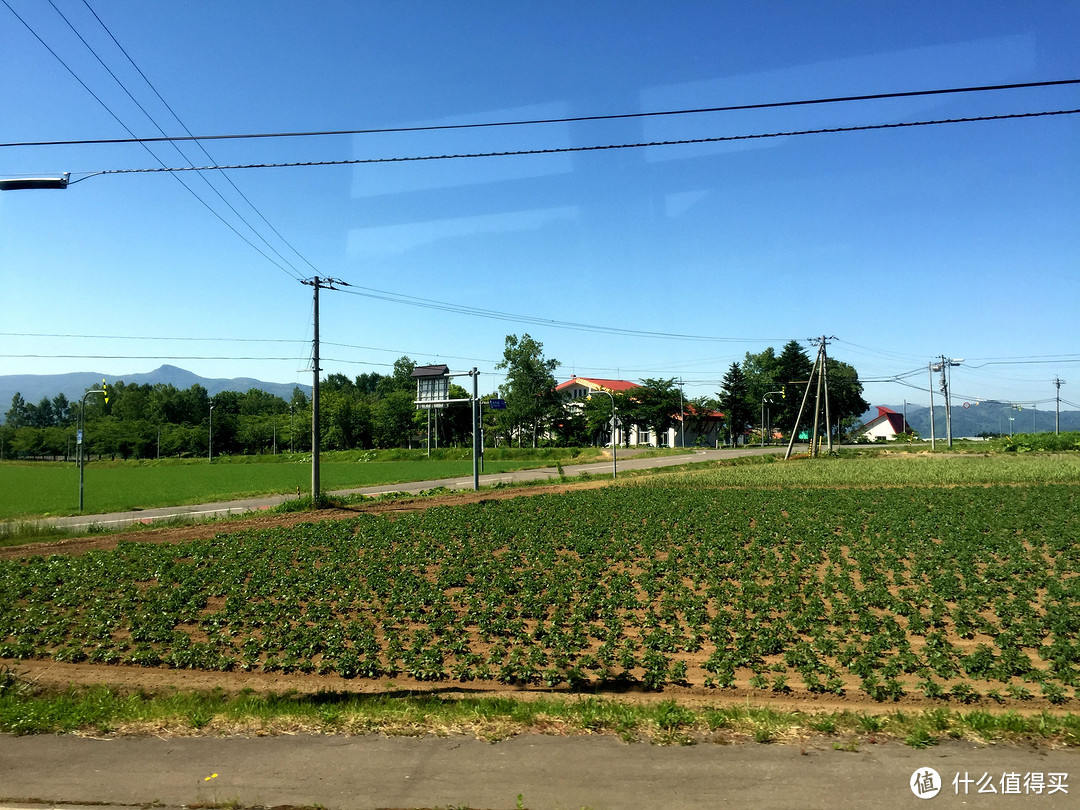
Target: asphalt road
column 367, row 772
column 206, row 510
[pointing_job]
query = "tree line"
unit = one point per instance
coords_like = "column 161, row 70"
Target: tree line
column 378, row 411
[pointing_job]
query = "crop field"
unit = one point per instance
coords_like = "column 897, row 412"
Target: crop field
column 926, row 580
column 53, row 488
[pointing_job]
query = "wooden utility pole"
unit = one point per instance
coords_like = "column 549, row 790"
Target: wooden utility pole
column 821, row 398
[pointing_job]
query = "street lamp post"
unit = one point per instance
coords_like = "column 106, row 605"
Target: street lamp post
column 614, row 441
column 79, row 441
column 765, row 399
column 210, row 443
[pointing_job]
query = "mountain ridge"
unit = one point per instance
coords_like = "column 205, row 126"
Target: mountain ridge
column 33, row 387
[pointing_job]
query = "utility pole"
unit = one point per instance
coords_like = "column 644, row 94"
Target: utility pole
column 930, row 369
column 945, row 367
column 1057, row 406
column 477, row 447
column 316, row 284
column 822, row 387
column 682, row 416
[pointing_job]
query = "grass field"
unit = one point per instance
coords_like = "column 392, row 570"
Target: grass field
column 52, row 488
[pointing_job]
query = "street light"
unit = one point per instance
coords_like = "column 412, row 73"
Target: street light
column 26, row 183
column 763, row 399
column 79, row 437
column 614, row 442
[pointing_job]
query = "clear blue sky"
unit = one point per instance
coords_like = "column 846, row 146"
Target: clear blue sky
column 905, row 244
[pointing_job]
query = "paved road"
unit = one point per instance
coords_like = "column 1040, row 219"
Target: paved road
column 206, row 510
column 360, row 773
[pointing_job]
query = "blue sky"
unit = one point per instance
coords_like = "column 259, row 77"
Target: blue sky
column 904, row 244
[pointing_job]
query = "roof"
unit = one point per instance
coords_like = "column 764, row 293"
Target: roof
column 896, row 421
column 597, row 384
column 694, row 413
column 430, row 371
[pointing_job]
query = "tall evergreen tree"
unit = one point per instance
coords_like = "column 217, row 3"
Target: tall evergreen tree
column 735, row 403
column 793, row 374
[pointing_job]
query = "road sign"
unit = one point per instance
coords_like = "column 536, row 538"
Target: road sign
column 497, row 404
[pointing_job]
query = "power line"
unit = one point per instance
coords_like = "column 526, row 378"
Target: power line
column 426, row 303
column 126, row 128
column 595, row 148
column 228, row 179
column 148, row 337
column 132, row 357
column 566, row 120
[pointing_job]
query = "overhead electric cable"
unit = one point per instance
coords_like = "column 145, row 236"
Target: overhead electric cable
column 159, row 128
column 150, row 337
column 595, row 148
column 566, row 120
column 131, row 357
column 130, row 132
column 426, row 303
column 228, row 179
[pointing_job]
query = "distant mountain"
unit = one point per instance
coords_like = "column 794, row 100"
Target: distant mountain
column 35, row 386
column 983, row 417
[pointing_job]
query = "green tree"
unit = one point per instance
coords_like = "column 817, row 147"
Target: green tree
column 761, row 372
column 16, row 416
column 62, row 410
column 393, row 419
column 846, row 403
column 596, row 411
column 793, row 368
column 735, row 402
column 400, row 380
column 529, row 390
column 41, row 415
column 655, row 405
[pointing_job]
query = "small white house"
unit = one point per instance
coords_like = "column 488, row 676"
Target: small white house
column 887, row 425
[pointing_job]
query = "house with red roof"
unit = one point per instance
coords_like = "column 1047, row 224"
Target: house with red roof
column 700, row 428
column 886, row 426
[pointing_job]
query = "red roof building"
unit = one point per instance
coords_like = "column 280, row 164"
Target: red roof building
column 581, row 387
column 887, row 425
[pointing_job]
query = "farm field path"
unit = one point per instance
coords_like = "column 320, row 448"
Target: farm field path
column 372, row 771
column 626, row 462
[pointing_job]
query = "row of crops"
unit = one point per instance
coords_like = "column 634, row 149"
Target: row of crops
column 954, row 593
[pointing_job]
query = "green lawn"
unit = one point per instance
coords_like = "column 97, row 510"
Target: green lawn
column 52, row 488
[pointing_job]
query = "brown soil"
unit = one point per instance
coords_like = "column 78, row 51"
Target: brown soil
column 57, row 675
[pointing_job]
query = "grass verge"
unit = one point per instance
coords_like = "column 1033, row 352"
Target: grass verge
column 106, row 710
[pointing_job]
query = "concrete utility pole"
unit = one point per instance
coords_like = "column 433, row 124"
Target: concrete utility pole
column 316, row 284
column 945, row 367
column 931, row 369
column 1057, row 406
column 476, row 446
